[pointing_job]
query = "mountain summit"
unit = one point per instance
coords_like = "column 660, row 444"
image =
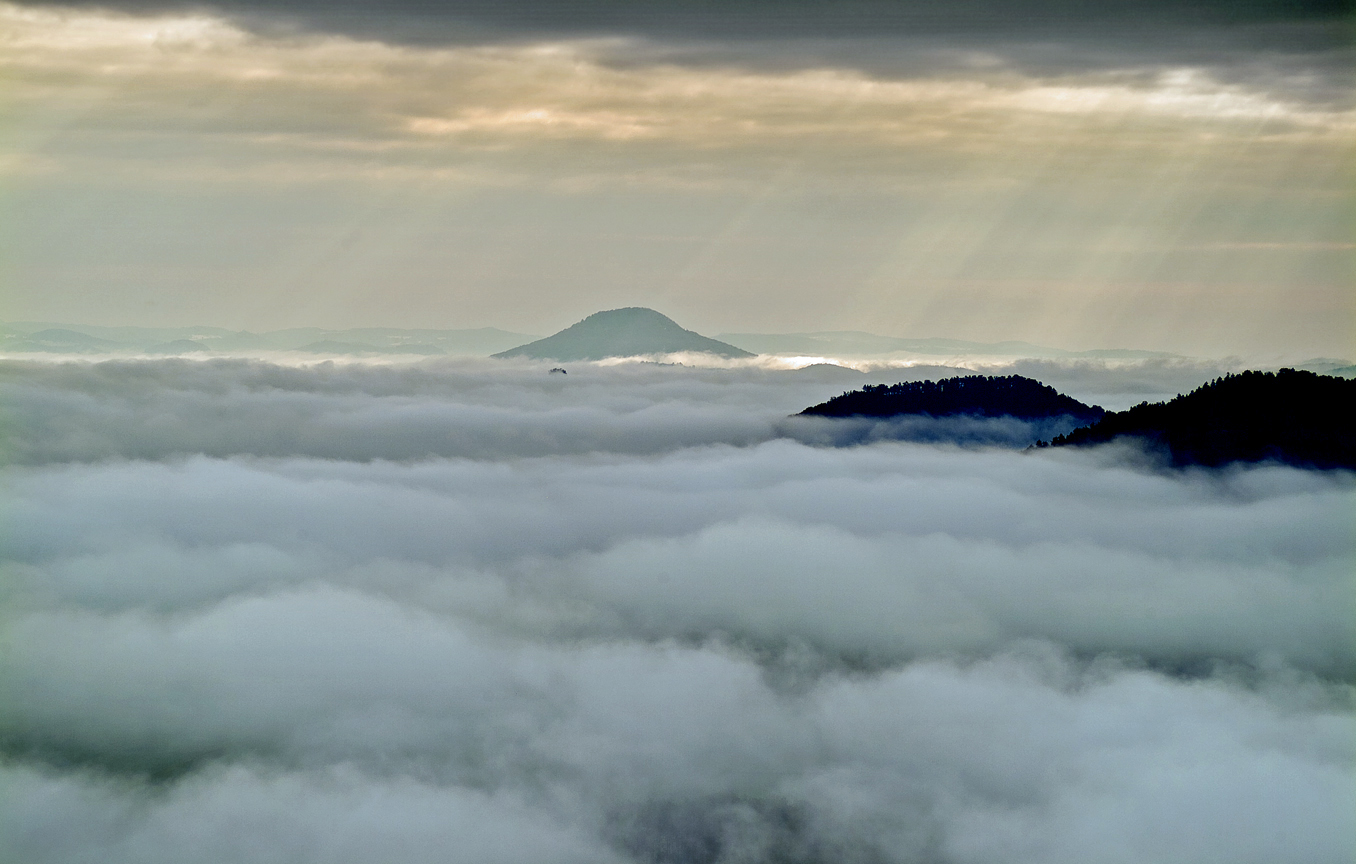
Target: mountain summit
column 622, row 333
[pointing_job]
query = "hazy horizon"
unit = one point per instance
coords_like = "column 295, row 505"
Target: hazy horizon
column 848, row 347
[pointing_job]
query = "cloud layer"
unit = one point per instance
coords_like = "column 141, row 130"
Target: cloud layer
column 613, row 621
column 82, row 411
column 354, row 99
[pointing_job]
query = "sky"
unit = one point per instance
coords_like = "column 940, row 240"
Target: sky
column 1160, row 176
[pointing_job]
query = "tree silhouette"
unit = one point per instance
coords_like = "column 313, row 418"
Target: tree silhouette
column 1289, row 416
column 977, row 395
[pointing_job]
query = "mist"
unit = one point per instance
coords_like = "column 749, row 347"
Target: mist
column 470, row 611
column 81, row 410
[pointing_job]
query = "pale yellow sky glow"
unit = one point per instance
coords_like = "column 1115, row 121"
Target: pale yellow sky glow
column 180, row 169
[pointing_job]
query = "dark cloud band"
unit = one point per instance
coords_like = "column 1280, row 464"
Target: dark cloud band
column 429, row 20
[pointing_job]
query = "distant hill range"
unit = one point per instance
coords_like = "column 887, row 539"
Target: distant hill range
column 972, row 395
column 628, row 332
column 36, row 337
column 57, row 340
column 1291, row 416
column 854, row 343
column 649, row 333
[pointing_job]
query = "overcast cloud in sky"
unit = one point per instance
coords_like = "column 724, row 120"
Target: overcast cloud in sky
column 1152, row 175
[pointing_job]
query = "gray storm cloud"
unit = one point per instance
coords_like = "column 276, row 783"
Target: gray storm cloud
column 423, row 21
column 472, row 612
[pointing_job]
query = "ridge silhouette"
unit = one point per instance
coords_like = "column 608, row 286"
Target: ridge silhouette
column 977, row 395
column 1291, row 416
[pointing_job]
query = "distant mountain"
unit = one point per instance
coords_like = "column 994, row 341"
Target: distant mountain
column 331, row 346
column 622, row 333
column 1326, row 366
column 176, row 346
column 858, row 343
column 35, row 336
column 1290, row 416
column 57, row 340
column 124, row 336
column 480, row 342
column 972, row 395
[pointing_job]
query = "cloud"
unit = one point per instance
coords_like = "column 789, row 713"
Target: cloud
column 667, row 754
column 963, row 430
column 489, row 409
column 865, row 556
column 482, row 409
column 242, row 814
column 417, row 21
column 614, row 618
column 295, row 95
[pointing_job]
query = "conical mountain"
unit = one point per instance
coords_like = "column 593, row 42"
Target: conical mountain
column 622, row 333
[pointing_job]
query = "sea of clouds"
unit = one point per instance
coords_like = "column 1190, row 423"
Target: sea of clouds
column 473, row 611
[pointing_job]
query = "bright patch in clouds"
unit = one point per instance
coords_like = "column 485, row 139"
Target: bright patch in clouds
column 573, row 89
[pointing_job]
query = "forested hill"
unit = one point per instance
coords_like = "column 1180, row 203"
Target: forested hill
column 980, row 395
column 1295, row 417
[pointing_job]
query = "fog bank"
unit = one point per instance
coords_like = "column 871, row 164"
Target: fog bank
column 467, row 612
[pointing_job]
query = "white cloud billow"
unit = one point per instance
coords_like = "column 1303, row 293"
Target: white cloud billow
column 250, row 617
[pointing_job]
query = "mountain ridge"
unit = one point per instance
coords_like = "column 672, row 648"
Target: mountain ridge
column 973, row 395
column 1292, row 416
column 42, row 337
column 861, row 343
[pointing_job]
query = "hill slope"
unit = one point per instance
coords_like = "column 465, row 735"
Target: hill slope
column 1291, row 416
column 975, row 395
column 622, row 333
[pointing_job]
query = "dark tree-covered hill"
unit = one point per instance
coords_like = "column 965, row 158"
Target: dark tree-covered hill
column 1290, row 416
column 977, row 395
